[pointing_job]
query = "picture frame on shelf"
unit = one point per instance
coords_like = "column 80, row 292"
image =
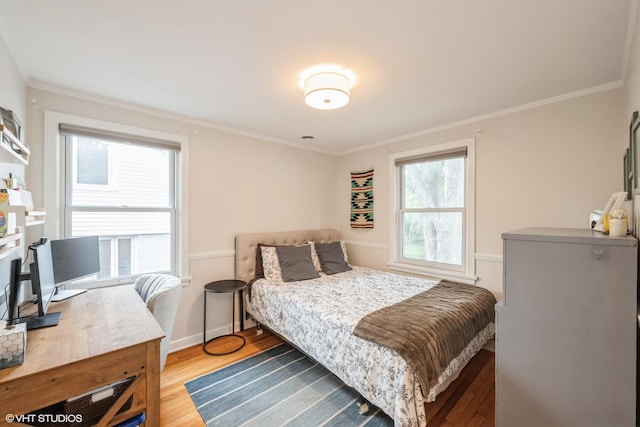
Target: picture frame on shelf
column 9, row 122
column 18, row 124
column 627, row 173
column 634, row 154
column 12, row 136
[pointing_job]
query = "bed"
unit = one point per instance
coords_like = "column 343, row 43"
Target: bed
column 331, row 317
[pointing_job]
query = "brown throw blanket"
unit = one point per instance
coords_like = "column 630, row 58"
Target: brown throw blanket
column 432, row 328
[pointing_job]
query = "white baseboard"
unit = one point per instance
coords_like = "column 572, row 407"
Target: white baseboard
column 190, row 341
column 490, row 345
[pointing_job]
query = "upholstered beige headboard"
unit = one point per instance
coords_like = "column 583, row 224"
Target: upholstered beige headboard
column 246, row 245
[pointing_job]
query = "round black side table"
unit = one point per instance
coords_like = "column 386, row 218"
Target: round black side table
column 223, row 286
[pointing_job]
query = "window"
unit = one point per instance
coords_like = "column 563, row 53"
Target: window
column 434, row 211
column 124, row 189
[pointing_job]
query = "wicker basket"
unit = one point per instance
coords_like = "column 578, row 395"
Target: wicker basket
column 91, row 410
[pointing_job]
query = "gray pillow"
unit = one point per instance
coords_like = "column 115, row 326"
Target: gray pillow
column 295, row 263
column 332, row 258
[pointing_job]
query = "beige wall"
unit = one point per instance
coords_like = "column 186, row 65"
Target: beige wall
column 632, row 99
column 544, row 166
column 632, row 79
column 13, row 90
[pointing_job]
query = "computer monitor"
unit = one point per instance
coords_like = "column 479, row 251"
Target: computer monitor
column 14, row 290
column 74, row 258
column 42, row 285
column 42, row 281
column 54, row 262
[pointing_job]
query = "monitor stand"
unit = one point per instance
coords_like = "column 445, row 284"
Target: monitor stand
column 63, row 294
column 37, row 322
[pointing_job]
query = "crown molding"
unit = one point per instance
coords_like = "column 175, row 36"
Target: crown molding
column 500, row 113
column 38, row 85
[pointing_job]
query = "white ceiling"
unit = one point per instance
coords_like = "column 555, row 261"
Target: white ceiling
column 419, row 64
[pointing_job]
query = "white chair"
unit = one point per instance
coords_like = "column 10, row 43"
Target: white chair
column 161, row 293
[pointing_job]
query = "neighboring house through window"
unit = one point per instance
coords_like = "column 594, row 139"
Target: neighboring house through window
column 433, row 209
column 92, row 161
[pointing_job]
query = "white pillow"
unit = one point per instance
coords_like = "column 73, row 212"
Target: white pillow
column 314, row 257
column 344, row 250
column 316, row 260
column 270, row 264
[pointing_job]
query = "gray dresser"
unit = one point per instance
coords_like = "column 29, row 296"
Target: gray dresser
column 566, row 329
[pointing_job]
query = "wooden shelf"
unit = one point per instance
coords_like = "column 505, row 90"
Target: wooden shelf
column 34, row 217
column 10, row 243
column 25, row 218
column 8, row 141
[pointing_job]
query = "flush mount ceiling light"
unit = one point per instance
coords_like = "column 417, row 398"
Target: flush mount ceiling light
column 327, row 90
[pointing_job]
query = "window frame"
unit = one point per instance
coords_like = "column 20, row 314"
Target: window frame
column 55, row 184
column 465, row 273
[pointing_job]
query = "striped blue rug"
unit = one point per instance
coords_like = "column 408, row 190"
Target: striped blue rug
column 278, row 387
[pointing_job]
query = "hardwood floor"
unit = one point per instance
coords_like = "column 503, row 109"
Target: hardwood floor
column 468, row 401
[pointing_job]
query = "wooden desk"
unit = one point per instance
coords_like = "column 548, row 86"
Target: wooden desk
column 104, row 335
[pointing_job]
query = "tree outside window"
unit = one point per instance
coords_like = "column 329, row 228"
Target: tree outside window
column 432, row 211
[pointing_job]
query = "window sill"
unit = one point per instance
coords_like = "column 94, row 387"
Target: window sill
column 107, row 283
column 433, row 273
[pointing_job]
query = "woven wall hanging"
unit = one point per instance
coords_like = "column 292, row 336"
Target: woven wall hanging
column 362, row 199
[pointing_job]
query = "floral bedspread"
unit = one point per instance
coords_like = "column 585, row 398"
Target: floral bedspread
column 319, row 315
